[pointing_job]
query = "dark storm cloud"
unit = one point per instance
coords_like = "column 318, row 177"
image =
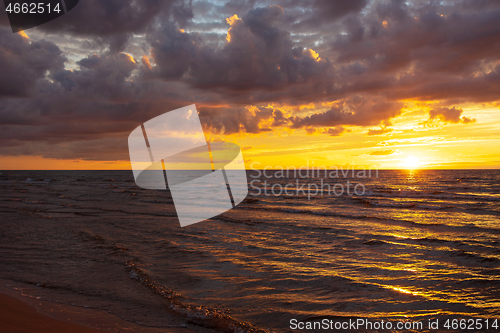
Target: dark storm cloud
column 23, row 63
column 238, row 6
column 100, row 77
column 4, row 19
column 114, row 21
column 258, row 56
column 103, row 149
column 325, row 11
column 478, row 86
column 98, row 103
column 332, row 10
column 396, row 50
column 431, row 42
column 234, row 120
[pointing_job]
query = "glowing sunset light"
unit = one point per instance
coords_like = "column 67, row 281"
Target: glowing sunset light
column 411, row 162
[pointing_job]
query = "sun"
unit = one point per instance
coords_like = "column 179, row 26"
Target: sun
column 411, row 162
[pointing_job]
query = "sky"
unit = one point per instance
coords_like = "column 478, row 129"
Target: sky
column 361, row 83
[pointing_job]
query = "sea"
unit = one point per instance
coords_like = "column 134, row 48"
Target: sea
column 392, row 245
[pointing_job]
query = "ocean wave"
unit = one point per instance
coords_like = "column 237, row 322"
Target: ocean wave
column 430, row 195
column 201, row 315
column 37, row 181
column 406, row 205
column 78, row 199
column 157, row 201
column 377, row 219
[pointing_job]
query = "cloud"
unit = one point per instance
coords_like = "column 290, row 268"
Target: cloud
column 382, row 152
column 310, row 130
column 233, row 120
column 450, row 115
column 79, row 113
column 310, row 14
column 467, row 120
column 23, row 62
column 422, row 50
column 382, row 130
column 114, row 21
column 358, row 111
column 331, row 131
column 399, row 59
column 336, row 131
column 103, row 77
column 330, row 10
column 258, row 55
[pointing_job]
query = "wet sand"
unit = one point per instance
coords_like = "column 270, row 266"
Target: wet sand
column 17, row 317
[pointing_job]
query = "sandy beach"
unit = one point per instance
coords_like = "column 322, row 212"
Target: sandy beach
column 19, row 317
column 19, row 314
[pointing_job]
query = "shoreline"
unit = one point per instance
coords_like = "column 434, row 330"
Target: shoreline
column 23, row 314
column 17, row 316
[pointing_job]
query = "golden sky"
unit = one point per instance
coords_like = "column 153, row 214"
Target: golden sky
column 412, row 142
